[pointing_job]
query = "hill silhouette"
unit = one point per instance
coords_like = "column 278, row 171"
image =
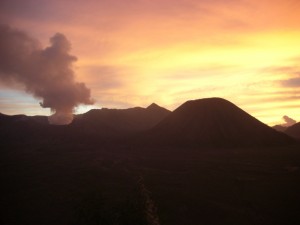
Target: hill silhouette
column 92, row 171
column 279, row 128
column 203, row 122
column 294, row 131
column 14, row 128
column 9, row 119
column 120, row 121
column 214, row 122
column 95, row 125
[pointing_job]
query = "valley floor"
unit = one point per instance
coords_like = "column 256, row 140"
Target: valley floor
column 55, row 184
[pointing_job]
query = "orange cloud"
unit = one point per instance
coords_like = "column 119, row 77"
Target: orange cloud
column 138, row 52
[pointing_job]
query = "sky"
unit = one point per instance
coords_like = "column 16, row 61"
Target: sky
column 135, row 52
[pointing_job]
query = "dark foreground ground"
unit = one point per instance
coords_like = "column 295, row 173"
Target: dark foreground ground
column 47, row 183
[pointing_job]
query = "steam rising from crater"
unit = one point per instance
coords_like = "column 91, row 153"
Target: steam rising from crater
column 47, row 73
column 288, row 121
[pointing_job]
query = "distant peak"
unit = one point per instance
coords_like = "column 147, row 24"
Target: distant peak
column 153, row 106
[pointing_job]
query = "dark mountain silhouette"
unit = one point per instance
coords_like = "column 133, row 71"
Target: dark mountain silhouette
column 15, row 128
column 120, row 121
column 279, row 128
column 95, row 125
column 204, row 122
column 10, row 119
column 214, row 122
column 294, row 130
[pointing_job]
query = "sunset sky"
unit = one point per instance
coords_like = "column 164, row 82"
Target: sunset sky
column 135, row 52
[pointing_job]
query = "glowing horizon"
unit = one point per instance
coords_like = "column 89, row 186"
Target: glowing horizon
column 133, row 53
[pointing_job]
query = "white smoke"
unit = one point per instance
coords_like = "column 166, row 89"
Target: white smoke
column 45, row 73
column 288, row 121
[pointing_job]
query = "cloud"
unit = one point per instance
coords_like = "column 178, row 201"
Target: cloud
column 288, row 121
column 45, row 73
column 293, row 82
column 292, row 71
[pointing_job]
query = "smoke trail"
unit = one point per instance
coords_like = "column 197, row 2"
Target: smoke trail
column 45, row 73
column 288, row 121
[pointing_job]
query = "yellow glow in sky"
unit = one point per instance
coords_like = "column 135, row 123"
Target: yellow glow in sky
column 133, row 53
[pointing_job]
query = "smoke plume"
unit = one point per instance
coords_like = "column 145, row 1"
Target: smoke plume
column 288, row 121
column 45, row 73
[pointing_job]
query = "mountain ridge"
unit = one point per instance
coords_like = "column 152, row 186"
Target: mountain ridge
column 200, row 122
column 214, row 121
column 294, row 130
